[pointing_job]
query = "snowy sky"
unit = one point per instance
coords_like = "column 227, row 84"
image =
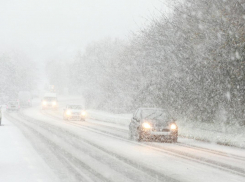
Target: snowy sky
column 52, row 29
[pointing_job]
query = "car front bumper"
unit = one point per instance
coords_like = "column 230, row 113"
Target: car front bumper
column 157, row 135
column 49, row 106
column 75, row 117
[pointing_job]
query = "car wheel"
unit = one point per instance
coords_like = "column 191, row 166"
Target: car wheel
column 130, row 136
column 138, row 136
column 174, row 140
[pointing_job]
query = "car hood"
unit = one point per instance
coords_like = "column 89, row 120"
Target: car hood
column 75, row 110
column 13, row 105
column 50, row 100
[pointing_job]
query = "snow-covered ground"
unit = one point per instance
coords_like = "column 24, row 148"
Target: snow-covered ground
column 18, row 159
column 99, row 150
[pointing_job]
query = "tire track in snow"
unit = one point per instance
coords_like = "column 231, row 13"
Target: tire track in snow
column 80, row 171
column 52, row 153
column 212, row 151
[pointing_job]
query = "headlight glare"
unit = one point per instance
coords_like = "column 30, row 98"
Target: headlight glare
column 54, row 103
column 146, row 125
column 173, row 127
column 68, row 112
column 83, row 113
column 44, row 103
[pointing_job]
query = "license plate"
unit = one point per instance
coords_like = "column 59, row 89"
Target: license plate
column 75, row 117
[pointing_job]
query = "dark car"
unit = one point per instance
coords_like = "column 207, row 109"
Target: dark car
column 74, row 112
column 153, row 124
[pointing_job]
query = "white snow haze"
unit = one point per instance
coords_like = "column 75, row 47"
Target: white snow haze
column 122, row 90
column 57, row 29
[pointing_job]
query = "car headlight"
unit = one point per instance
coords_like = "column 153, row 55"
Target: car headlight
column 68, row 112
column 146, row 126
column 83, row 113
column 173, row 126
column 44, row 103
column 54, row 103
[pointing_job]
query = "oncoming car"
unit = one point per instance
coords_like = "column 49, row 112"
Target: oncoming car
column 13, row 106
column 153, row 124
column 74, row 112
column 49, row 102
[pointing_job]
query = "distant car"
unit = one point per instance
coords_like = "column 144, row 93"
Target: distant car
column 74, row 112
column 13, row 106
column 49, row 101
column 153, row 124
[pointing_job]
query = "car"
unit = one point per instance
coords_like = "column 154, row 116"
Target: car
column 74, row 112
column 13, row 106
column 49, row 101
column 153, row 124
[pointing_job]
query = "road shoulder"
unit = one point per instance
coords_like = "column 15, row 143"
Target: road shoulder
column 19, row 162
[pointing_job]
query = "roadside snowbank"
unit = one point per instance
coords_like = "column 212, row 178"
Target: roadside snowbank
column 230, row 135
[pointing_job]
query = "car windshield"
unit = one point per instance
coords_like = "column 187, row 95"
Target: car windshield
column 74, row 107
column 154, row 114
column 13, row 103
column 49, row 98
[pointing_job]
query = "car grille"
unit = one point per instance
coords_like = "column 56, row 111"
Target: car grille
column 161, row 130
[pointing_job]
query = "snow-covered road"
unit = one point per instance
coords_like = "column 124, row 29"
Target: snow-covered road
column 99, row 151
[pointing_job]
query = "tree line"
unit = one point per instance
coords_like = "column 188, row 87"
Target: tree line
column 18, row 73
column 190, row 62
